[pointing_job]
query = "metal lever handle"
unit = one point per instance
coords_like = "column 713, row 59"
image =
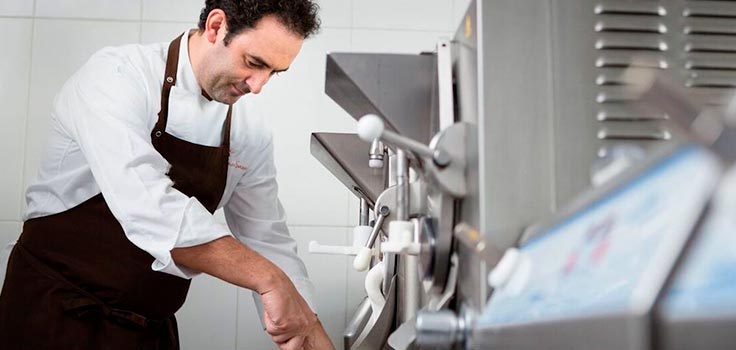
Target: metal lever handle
column 371, row 127
column 363, row 258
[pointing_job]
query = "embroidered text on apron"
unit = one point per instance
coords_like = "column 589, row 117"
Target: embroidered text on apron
column 74, row 280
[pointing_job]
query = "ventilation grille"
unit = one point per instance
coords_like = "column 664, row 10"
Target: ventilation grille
column 709, row 36
column 628, row 34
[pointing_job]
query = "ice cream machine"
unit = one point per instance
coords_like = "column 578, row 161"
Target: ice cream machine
column 553, row 176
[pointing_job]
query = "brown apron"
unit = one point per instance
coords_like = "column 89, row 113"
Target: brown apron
column 75, row 281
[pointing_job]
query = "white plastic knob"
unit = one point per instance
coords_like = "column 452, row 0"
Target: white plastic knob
column 375, row 163
column 373, row 282
column 501, row 274
column 513, row 272
column 363, row 259
column 370, row 127
column 400, row 238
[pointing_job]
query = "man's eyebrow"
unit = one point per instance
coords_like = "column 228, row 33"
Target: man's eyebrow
column 263, row 63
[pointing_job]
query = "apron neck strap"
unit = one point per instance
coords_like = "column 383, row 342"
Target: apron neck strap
column 172, row 65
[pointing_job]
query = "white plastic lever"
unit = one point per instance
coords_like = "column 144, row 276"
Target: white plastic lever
column 512, row 272
column 373, row 282
column 316, row 248
column 360, row 235
column 400, row 238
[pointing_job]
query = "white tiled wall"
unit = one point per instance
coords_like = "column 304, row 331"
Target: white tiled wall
column 14, row 74
column 97, row 9
column 16, row 8
column 45, row 41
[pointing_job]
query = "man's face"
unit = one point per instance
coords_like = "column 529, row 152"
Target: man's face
column 249, row 60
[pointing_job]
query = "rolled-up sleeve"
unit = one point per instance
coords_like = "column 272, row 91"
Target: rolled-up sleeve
column 105, row 109
column 256, row 217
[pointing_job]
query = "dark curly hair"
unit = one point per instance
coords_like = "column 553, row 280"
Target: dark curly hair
column 299, row 16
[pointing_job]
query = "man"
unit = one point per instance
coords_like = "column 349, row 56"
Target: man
column 147, row 142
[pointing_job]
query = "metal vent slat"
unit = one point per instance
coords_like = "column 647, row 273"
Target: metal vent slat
column 633, row 131
column 614, row 112
column 710, row 44
column 630, row 24
column 608, row 94
column 711, row 61
column 710, row 26
column 713, row 79
column 617, row 41
column 621, row 59
column 629, row 8
column 611, row 76
column 709, row 9
column 608, row 145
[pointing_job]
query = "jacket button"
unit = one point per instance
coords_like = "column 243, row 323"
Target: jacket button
column 170, row 79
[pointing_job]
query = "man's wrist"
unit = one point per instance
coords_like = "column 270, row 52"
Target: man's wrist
column 269, row 279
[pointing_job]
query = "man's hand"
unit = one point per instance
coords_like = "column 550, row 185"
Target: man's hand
column 317, row 339
column 288, row 318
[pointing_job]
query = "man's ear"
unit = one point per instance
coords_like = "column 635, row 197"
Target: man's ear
column 216, row 25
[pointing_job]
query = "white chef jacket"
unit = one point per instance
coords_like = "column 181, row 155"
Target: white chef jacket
column 100, row 142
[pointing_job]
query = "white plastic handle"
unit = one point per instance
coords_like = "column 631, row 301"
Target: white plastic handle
column 363, row 259
column 400, row 238
column 316, row 248
column 370, row 127
column 373, row 282
column 501, row 274
column 512, row 273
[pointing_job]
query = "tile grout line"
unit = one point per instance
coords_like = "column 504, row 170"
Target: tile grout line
column 26, row 127
column 140, row 23
column 117, row 20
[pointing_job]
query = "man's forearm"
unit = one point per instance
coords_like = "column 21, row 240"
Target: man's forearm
column 230, row 260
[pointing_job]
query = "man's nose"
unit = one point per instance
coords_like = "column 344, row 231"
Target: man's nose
column 257, row 81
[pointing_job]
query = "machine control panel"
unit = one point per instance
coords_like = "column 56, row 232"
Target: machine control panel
column 614, row 255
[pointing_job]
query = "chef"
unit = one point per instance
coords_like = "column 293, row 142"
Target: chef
column 146, row 143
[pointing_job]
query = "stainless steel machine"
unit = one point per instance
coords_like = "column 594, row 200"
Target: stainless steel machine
column 553, row 176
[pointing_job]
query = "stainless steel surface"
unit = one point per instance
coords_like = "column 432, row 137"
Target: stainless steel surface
column 389, row 278
column 376, row 333
column 346, row 157
column 592, row 334
column 403, row 338
column 439, row 157
column 450, row 177
column 381, row 213
column 440, row 330
column 402, row 186
column 364, row 218
column 472, row 285
column 357, row 323
column 712, row 333
column 377, row 151
column 400, row 88
column 417, row 202
column 516, row 120
column 504, row 132
column 439, row 232
column 408, row 297
column 701, row 122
